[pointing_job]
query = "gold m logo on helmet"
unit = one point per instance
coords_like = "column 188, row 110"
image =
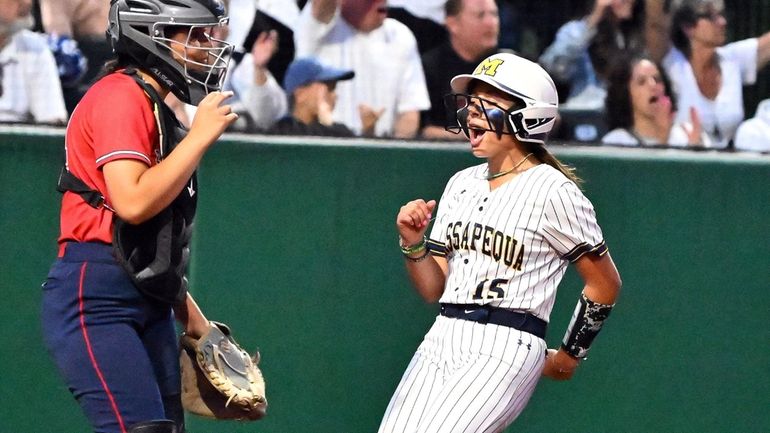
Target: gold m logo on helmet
column 488, row 67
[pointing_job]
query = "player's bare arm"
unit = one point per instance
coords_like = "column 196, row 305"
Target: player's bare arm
column 602, row 286
column 427, row 272
column 139, row 192
column 601, row 277
column 191, row 317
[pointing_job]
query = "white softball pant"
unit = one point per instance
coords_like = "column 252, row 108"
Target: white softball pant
column 466, row 377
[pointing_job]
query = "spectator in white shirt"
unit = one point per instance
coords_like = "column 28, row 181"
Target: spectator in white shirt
column 708, row 75
column 389, row 86
column 754, row 134
column 257, row 91
column 258, row 97
column 265, row 16
column 30, row 90
column 425, row 18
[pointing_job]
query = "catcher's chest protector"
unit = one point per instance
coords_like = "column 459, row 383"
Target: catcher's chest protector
column 156, row 252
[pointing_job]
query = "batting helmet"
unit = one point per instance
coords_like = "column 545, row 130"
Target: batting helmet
column 137, row 29
column 535, row 114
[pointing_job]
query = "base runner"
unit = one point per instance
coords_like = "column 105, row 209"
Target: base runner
column 503, row 236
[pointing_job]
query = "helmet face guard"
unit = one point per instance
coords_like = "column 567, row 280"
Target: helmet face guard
column 525, row 120
column 147, row 31
column 497, row 118
column 535, row 107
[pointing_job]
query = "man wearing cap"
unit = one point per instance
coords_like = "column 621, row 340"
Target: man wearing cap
column 310, row 86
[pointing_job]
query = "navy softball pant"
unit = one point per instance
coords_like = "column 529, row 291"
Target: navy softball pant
column 116, row 349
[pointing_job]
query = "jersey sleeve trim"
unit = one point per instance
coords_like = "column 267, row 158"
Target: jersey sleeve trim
column 573, row 255
column 436, row 248
column 122, row 154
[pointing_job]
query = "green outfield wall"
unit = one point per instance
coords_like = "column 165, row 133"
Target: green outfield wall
column 296, row 249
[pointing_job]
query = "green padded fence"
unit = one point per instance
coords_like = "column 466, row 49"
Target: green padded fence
column 296, row 249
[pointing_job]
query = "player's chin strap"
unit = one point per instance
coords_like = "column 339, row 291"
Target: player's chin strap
column 587, row 321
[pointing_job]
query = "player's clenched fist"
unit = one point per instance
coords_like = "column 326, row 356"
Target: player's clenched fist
column 413, row 219
column 559, row 365
column 213, row 116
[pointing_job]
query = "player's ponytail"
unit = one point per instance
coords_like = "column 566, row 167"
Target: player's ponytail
column 546, row 157
column 121, row 61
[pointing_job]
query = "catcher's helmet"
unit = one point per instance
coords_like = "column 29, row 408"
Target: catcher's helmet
column 137, row 29
column 533, row 117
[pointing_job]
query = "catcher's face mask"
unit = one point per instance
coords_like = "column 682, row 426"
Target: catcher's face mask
column 204, row 57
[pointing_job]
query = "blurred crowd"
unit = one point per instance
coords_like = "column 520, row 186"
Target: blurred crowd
column 629, row 72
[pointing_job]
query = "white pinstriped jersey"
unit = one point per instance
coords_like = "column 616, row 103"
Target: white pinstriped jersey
column 510, row 247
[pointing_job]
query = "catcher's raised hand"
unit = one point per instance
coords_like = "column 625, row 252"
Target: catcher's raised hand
column 212, row 117
column 413, row 219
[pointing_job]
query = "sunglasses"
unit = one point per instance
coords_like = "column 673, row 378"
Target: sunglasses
column 710, row 15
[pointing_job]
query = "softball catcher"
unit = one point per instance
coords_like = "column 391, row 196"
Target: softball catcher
column 130, row 195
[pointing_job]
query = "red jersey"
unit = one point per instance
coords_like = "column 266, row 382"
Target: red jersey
column 114, row 120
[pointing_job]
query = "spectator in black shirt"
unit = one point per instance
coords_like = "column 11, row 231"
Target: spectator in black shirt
column 474, row 28
column 310, row 87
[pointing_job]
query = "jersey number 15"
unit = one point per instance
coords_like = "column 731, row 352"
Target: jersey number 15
column 490, row 289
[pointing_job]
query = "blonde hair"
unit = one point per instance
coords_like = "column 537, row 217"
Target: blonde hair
column 543, row 155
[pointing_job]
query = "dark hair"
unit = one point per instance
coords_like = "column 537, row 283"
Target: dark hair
column 685, row 15
column 453, row 7
column 120, row 61
column 618, row 106
column 604, row 46
column 546, row 157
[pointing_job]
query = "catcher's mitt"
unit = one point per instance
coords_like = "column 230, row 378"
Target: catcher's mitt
column 219, row 379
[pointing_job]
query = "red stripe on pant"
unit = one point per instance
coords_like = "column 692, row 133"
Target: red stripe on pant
column 91, row 352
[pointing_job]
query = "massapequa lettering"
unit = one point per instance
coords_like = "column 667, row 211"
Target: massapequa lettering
column 487, row 240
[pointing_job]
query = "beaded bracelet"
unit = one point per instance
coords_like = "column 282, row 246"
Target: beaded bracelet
column 411, row 249
column 420, row 258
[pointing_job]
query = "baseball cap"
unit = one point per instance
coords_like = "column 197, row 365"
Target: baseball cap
column 307, row 70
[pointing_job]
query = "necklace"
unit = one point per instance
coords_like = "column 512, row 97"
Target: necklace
column 503, row 173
